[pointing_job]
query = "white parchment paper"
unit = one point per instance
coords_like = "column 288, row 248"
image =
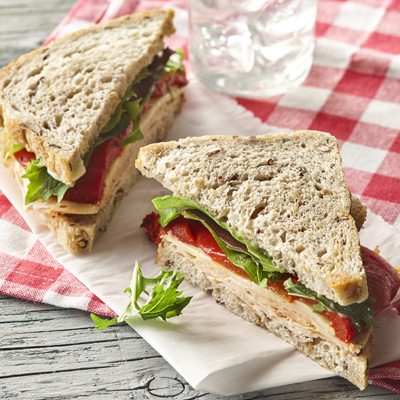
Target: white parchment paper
column 211, row 348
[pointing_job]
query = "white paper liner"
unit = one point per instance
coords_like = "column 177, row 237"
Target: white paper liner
column 211, row 348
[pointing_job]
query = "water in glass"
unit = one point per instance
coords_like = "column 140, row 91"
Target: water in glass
column 252, row 48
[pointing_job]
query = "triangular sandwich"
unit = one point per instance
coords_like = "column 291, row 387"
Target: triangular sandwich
column 73, row 115
column 268, row 225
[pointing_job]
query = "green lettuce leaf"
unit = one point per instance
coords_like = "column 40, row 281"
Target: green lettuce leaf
column 175, row 62
column 163, row 301
column 357, row 312
column 42, row 185
column 318, row 308
column 239, row 257
column 259, row 266
column 134, row 109
column 14, row 149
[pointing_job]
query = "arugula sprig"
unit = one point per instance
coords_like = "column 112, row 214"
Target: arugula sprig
column 42, row 185
column 357, row 312
column 258, row 265
column 163, row 301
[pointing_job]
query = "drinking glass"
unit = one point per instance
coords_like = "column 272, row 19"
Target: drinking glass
column 251, row 48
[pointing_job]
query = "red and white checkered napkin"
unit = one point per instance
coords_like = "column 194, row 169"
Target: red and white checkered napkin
column 353, row 92
column 28, row 271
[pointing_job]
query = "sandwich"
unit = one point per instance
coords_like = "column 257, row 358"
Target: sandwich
column 268, row 226
column 74, row 114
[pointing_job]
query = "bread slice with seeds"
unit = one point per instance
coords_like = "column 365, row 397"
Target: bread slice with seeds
column 56, row 100
column 286, row 194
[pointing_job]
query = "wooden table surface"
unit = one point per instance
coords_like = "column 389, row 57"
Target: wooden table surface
column 52, row 353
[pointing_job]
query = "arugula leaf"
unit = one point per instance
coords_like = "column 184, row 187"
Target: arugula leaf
column 174, row 63
column 119, row 111
column 15, row 148
column 168, row 208
column 103, row 323
column 144, row 73
column 318, row 308
column 239, row 257
column 163, row 302
column 357, row 312
column 42, row 185
column 134, row 109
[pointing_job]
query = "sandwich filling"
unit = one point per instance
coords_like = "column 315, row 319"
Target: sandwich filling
column 92, row 190
column 196, row 234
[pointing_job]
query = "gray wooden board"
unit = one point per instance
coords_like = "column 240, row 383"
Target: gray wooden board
column 52, row 353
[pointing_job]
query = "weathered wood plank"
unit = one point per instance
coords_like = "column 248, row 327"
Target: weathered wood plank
column 116, row 363
column 25, row 25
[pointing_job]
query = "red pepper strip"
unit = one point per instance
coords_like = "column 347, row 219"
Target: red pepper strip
column 24, row 157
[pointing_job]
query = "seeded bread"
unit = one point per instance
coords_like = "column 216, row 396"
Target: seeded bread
column 56, row 99
column 286, row 194
column 77, row 233
column 352, row 364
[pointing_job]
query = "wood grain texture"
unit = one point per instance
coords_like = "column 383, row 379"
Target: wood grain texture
column 53, row 353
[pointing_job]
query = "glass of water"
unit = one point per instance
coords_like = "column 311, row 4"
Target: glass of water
column 252, row 48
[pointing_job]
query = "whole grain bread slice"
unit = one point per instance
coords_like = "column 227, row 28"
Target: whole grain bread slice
column 56, row 99
column 286, row 194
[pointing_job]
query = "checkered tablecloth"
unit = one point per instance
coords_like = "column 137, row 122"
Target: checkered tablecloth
column 353, row 92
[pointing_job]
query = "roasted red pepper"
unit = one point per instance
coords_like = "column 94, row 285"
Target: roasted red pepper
column 24, row 157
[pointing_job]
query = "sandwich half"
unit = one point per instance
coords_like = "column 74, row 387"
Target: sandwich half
column 74, row 114
column 268, row 226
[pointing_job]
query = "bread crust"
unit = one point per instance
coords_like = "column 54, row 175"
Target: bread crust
column 285, row 193
column 56, row 100
column 352, row 365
